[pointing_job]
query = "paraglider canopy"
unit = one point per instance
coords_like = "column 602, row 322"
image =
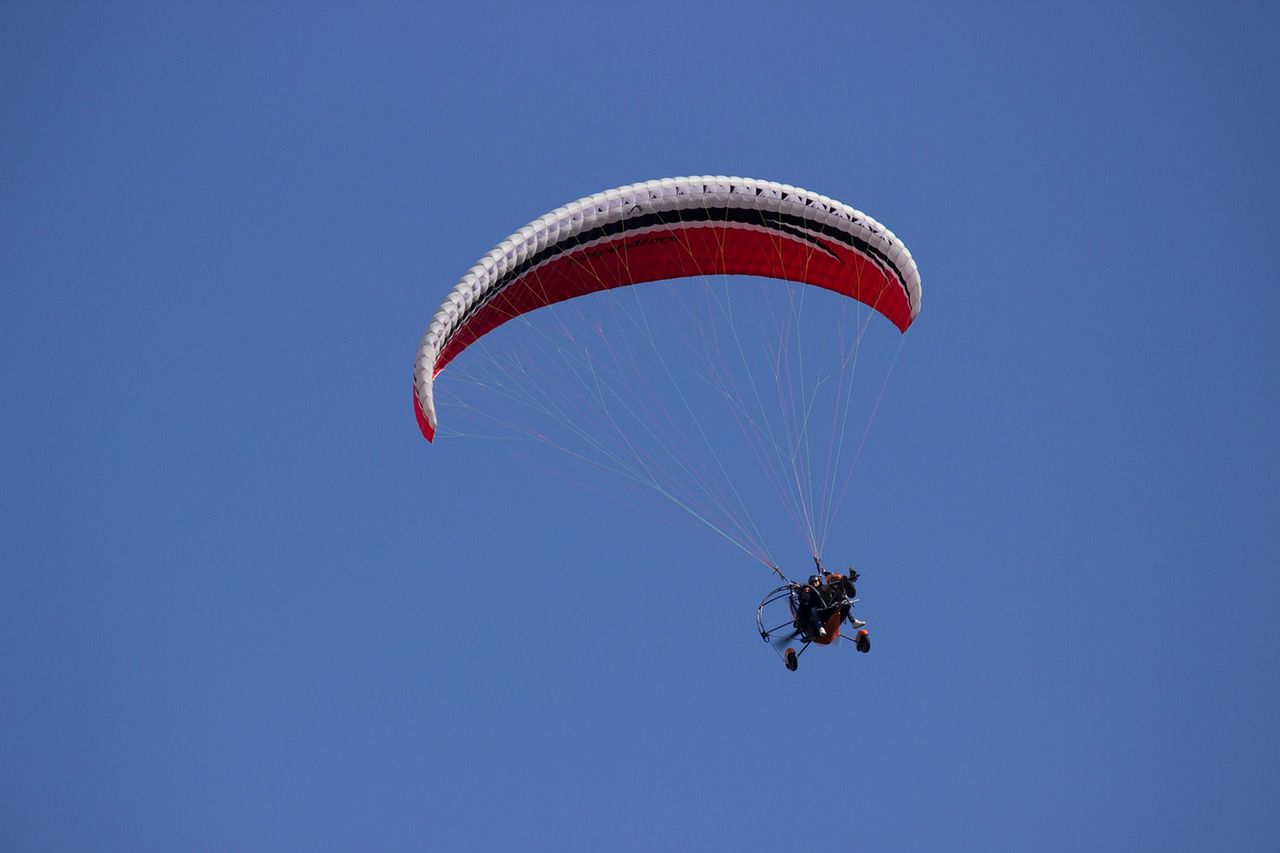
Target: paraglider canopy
column 669, row 229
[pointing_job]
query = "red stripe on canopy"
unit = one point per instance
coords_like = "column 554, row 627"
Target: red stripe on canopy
column 679, row 253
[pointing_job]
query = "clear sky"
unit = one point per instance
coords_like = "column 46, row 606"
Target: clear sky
column 244, row 606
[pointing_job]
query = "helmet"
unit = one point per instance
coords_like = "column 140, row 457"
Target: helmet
column 814, row 580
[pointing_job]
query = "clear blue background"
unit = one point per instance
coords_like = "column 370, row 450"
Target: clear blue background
column 235, row 584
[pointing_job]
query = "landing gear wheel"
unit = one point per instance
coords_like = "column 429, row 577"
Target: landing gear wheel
column 863, row 641
column 791, row 659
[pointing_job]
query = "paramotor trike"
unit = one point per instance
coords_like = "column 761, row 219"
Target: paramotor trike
column 782, row 617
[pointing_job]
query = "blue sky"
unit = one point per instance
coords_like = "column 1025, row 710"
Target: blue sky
column 244, row 606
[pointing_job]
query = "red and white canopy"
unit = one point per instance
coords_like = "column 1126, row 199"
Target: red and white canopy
column 669, row 229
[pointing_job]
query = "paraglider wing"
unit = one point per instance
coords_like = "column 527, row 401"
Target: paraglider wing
column 669, row 229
